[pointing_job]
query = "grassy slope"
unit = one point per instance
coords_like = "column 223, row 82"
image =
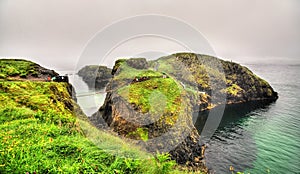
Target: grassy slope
column 156, row 95
column 39, row 132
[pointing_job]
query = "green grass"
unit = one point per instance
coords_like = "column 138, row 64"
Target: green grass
column 140, row 93
column 40, row 133
column 127, row 72
column 156, row 96
column 146, row 94
column 13, row 67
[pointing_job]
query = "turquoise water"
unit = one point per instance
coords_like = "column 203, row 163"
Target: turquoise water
column 262, row 138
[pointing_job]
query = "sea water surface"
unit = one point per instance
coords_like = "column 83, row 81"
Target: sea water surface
column 258, row 138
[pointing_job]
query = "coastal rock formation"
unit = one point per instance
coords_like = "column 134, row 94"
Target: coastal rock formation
column 244, row 86
column 216, row 80
column 95, row 76
column 137, row 63
column 146, row 106
column 153, row 102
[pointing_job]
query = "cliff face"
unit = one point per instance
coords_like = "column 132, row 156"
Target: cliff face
column 243, row 85
column 153, row 110
column 153, row 102
column 95, row 76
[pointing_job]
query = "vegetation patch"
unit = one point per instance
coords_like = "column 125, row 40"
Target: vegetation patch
column 139, row 134
column 156, row 95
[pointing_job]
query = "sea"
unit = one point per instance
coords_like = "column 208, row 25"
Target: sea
column 262, row 138
column 255, row 138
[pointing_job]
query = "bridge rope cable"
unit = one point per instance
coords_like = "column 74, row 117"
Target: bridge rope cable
column 90, row 94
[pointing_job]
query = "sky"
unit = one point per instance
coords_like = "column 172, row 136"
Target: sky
column 55, row 33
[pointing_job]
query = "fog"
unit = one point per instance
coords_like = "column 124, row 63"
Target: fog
column 54, row 33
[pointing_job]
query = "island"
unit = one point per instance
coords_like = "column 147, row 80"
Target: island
column 95, row 76
column 152, row 102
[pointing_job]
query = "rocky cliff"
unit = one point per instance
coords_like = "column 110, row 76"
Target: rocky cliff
column 95, row 76
column 152, row 102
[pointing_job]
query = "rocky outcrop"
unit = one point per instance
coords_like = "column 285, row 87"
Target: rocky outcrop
column 45, row 72
column 179, row 138
column 137, row 63
column 244, row 86
column 207, row 74
column 152, row 102
column 95, row 76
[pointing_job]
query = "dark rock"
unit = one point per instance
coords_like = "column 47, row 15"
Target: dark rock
column 137, row 63
column 72, row 92
column 95, row 76
column 44, row 71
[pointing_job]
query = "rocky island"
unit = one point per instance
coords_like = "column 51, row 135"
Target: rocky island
column 95, row 76
column 152, row 102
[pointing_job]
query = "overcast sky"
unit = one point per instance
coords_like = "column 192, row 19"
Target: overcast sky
column 55, row 32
